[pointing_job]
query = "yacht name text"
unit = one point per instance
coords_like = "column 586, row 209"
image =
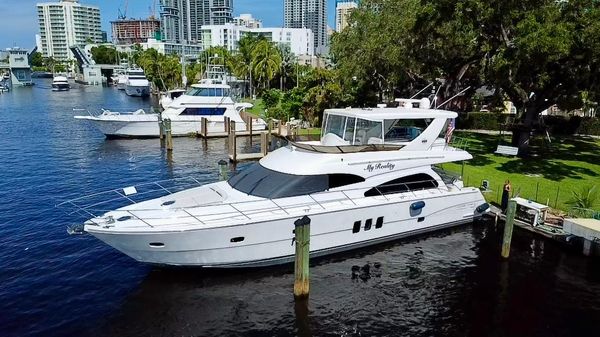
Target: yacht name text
column 380, row 166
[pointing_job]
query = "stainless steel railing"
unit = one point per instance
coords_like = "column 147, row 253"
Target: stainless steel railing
column 243, row 209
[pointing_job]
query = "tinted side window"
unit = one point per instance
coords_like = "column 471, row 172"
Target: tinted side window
column 413, row 182
column 203, row 111
column 262, row 182
column 342, row 179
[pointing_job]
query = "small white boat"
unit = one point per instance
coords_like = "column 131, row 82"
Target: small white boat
column 60, row 83
column 370, row 179
column 137, row 84
column 209, row 99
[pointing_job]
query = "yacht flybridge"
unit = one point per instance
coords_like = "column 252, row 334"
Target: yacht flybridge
column 371, row 178
column 208, row 99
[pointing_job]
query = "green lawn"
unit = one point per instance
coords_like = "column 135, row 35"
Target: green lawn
column 258, row 109
column 549, row 176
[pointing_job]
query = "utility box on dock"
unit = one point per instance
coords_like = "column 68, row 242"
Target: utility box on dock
column 588, row 229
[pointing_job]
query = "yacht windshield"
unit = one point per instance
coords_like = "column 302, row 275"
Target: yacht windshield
column 404, row 130
column 355, row 131
column 262, row 182
column 208, row 92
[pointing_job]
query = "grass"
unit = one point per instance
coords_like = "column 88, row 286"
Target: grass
column 258, row 107
column 549, row 176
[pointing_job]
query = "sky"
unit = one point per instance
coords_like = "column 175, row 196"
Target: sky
column 18, row 22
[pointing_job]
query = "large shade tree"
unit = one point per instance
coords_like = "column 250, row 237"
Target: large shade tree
column 535, row 52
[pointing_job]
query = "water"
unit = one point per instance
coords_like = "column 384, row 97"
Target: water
column 449, row 283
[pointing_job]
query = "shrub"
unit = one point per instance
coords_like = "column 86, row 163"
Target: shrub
column 481, row 121
column 271, row 98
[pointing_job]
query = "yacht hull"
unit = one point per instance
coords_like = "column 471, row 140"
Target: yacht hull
column 137, row 91
column 270, row 242
column 146, row 126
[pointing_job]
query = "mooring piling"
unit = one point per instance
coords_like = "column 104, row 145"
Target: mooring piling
column 161, row 130
column 264, row 143
column 232, row 145
column 302, row 257
column 508, row 227
column 204, row 127
column 168, row 134
column 222, row 170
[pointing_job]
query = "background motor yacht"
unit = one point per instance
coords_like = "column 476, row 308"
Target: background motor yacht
column 210, row 99
column 60, row 83
column 136, row 84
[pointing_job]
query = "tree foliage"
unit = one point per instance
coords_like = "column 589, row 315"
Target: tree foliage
column 105, row 55
column 537, row 53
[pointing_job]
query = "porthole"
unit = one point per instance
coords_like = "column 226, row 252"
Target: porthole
column 125, row 218
column 237, row 239
column 421, row 219
column 156, row 244
column 356, row 227
column 167, row 203
column 368, row 224
column 379, row 222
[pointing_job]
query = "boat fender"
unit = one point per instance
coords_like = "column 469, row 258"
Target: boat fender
column 416, row 208
column 483, row 207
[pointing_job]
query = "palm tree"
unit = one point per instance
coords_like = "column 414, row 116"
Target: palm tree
column 242, row 60
column 266, row 62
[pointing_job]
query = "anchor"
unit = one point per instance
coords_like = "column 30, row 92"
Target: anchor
column 75, row 230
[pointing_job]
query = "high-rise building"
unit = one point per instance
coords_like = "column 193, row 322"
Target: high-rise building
column 132, row 31
column 298, row 40
column 311, row 14
column 67, row 24
column 182, row 20
column 343, row 8
column 246, row 20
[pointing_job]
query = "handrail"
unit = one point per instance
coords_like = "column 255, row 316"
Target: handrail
column 247, row 214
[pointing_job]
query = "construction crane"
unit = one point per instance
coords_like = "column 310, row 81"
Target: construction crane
column 123, row 14
column 152, row 10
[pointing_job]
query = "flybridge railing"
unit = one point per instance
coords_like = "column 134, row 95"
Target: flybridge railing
column 201, row 214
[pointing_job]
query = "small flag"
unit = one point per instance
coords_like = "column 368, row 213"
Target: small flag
column 449, row 130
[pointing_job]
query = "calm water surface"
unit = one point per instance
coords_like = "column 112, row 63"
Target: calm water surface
column 449, row 283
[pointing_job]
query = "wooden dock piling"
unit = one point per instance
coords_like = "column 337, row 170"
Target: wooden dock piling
column 223, row 170
column 232, row 144
column 508, row 228
column 226, row 125
column 203, row 127
column 264, row 143
column 168, row 134
column 302, row 257
column 161, row 130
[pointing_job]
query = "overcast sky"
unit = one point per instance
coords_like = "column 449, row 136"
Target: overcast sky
column 18, row 18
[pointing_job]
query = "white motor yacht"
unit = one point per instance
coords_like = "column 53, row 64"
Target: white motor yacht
column 208, row 99
column 369, row 179
column 137, row 84
column 60, row 83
